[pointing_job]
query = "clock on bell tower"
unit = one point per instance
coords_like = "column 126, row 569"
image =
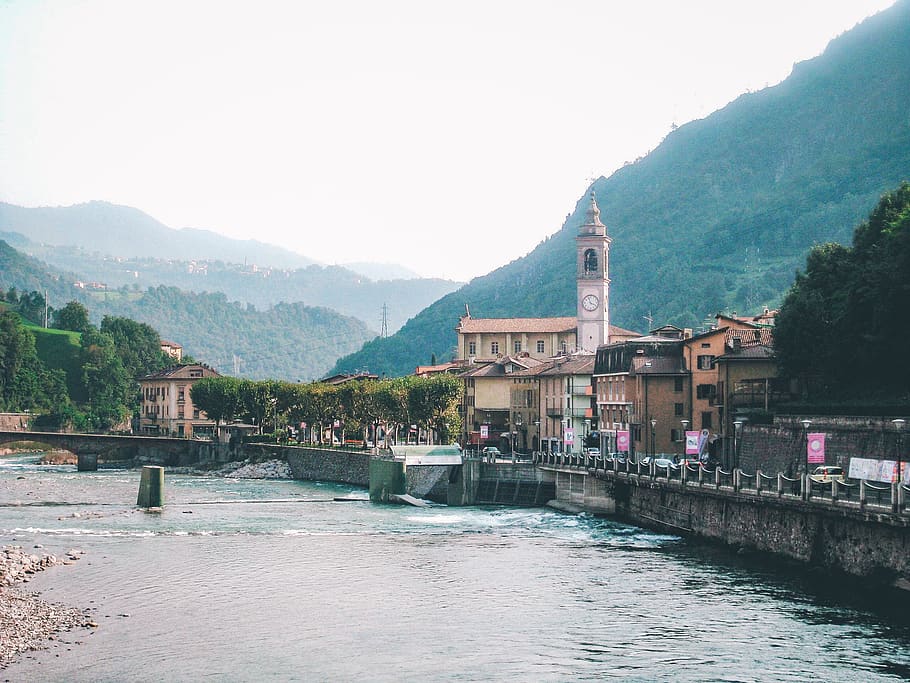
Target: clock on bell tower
column 592, row 281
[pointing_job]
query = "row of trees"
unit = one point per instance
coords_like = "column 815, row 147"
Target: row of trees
column 844, row 321
column 431, row 403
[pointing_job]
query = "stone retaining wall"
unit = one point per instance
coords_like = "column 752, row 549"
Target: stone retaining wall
column 781, row 447
column 859, row 542
column 317, row 464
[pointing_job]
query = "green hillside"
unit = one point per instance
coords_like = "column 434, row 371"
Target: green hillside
column 59, row 349
column 722, row 213
column 284, row 341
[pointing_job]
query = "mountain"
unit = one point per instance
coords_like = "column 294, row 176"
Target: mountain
column 284, row 341
column 382, row 271
column 721, row 214
column 128, row 232
column 349, row 292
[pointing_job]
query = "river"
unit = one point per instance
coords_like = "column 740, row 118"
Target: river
column 250, row 580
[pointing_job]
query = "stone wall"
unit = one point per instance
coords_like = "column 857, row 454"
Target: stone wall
column 846, row 539
column 782, row 446
column 316, row 464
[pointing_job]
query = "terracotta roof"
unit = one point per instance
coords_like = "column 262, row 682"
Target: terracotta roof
column 468, row 325
column 170, row 344
column 752, row 337
column 498, row 368
column 620, row 332
column 755, row 352
column 575, row 365
column 181, row 372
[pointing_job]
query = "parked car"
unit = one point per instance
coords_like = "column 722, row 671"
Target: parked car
column 665, row 464
column 491, row 452
column 592, row 451
column 825, row 474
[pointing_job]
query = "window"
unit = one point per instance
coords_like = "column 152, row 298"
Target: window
column 516, row 346
column 677, row 384
column 704, row 391
column 494, row 348
column 180, row 391
column 705, row 362
column 706, row 420
column 539, row 347
column 564, row 347
column 706, row 345
column 590, row 259
column 677, row 435
column 677, row 409
column 472, row 348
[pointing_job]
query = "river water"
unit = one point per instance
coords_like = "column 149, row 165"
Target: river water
column 247, row 580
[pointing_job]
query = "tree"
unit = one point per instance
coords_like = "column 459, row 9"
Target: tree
column 31, row 306
column 218, row 397
column 137, row 344
column 258, row 400
column 108, row 385
column 844, row 320
column 73, row 316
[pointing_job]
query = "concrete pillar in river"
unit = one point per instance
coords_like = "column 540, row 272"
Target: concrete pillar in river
column 151, row 487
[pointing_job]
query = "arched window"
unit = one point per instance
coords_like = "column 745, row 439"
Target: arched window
column 590, row 261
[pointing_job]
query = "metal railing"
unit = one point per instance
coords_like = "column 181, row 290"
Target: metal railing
column 859, row 493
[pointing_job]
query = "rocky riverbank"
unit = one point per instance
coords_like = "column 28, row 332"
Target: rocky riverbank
column 244, row 469
column 26, row 621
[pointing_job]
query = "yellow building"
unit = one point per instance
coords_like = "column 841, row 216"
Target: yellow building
column 167, row 406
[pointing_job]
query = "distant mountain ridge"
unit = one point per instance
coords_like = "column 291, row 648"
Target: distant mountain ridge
column 721, row 214
column 122, row 246
column 125, row 231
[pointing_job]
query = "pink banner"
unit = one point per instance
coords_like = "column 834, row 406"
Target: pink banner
column 693, row 447
column 622, row 441
column 816, row 448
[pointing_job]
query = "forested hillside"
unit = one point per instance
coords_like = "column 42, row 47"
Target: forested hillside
column 285, row 341
column 330, row 286
column 722, row 213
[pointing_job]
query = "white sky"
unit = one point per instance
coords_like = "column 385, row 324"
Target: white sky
column 449, row 137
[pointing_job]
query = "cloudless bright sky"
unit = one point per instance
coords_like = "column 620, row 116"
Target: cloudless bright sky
column 449, row 137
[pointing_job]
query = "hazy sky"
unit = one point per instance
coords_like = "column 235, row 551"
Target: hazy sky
column 450, row 137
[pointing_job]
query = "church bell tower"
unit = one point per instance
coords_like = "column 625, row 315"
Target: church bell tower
column 592, row 281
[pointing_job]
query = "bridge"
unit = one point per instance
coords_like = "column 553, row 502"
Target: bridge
column 859, row 528
column 94, row 448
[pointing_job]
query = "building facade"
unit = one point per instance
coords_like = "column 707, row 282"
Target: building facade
column 167, row 406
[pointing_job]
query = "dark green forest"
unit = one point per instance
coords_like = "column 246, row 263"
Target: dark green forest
column 723, row 212
column 843, row 326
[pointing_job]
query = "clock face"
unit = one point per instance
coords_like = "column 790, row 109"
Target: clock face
column 590, row 302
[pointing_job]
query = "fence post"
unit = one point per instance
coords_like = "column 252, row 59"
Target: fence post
column 717, row 476
column 757, row 482
column 805, row 487
column 862, row 493
column 780, row 484
column 895, row 504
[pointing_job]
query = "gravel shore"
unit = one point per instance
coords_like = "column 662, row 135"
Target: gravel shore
column 27, row 622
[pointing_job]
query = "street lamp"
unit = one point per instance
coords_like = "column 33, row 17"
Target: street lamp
column 518, row 423
column 737, row 429
column 899, row 426
column 805, row 423
column 653, row 447
column 685, row 426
